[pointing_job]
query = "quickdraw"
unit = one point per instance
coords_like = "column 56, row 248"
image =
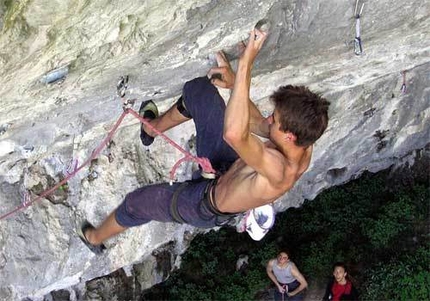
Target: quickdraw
column 121, row 89
column 403, row 87
column 358, row 48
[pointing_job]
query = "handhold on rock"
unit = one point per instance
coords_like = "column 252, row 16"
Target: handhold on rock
column 93, row 175
column 4, row 128
column 263, row 25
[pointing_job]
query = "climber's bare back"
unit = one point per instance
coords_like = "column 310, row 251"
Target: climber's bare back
column 242, row 188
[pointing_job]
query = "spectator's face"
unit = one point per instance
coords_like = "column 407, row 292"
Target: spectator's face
column 339, row 274
column 282, row 257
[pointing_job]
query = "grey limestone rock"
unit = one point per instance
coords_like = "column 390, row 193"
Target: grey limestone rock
column 160, row 45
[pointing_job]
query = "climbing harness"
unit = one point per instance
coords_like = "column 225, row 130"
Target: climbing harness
column 403, row 87
column 221, row 218
column 205, row 205
column 203, row 162
column 358, row 48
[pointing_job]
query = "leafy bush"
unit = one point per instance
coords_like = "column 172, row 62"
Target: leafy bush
column 208, row 269
column 381, row 233
column 404, row 279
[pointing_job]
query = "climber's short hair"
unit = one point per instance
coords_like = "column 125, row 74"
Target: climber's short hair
column 301, row 112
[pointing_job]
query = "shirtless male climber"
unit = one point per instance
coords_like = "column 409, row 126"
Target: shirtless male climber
column 254, row 173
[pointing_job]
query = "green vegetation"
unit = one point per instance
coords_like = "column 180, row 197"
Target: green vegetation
column 380, row 230
column 14, row 17
column 404, row 278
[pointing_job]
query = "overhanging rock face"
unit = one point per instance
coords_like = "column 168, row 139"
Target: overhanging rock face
column 160, row 45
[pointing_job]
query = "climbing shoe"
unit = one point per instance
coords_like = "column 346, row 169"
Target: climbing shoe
column 98, row 250
column 149, row 111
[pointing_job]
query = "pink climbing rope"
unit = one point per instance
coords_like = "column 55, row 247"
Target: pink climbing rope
column 203, row 162
column 74, row 172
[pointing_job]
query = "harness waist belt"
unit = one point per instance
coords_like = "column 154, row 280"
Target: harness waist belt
column 209, row 197
column 221, row 217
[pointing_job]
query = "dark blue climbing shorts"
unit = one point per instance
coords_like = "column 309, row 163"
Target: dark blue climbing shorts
column 185, row 202
column 154, row 202
column 207, row 107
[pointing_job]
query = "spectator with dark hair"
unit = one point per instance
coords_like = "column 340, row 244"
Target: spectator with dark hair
column 288, row 280
column 340, row 287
